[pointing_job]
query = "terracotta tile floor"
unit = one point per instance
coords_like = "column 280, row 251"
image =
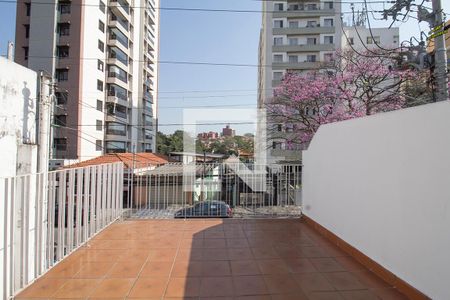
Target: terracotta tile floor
column 209, row 259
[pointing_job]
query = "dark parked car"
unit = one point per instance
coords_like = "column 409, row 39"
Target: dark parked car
column 206, row 209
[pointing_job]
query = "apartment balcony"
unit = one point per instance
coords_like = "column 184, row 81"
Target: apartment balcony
column 303, row 48
column 63, row 40
column 64, row 18
column 149, row 83
column 121, row 44
column 304, row 13
column 118, row 62
column 120, row 7
column 123, row 118
column 123, row 27
column 117, row 100
column 295, row 66
column 305, row 30
column 116, row 136
column 116, row 80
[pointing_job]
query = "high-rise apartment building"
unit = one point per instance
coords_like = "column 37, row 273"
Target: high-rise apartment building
column 103, row 56
column 296, row 36
column 361, row 38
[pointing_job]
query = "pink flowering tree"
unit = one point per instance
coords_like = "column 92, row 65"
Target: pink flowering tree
column 350, row 86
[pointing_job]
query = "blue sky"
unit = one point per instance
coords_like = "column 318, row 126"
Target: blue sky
column 206, row 37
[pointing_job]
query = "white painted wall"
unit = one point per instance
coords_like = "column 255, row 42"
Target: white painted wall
column 18, row 149
column 18, row 102
column 382, row 184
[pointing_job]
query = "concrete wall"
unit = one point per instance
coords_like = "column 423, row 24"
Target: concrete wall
column 18, row 103
column 382, row 184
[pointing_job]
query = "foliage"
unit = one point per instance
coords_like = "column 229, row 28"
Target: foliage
column 351, row 86
column 224, row 145
column 171, row 142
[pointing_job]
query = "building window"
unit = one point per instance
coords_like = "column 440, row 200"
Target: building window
column 60, row 120
column 61, row 98
column 311, row 41
column 116, row 110
column 25, row 52
column 293, row 41
column 277, row 75
column 328, row 39
column 351, row 41
column 60, row 144
column 311, row 24
column 100, row 65
column 310, row 58
column 115, row 147
column 396, row 38
column 328, row 57
column 293, row 59
column 328, row 5
column 99, row 85
column 278, row 24
column 62, row 74
column 102, row 6
column 278, row 58
column 374, row 40
column 27, row 30
column 63, row 29
column 278, row 41
column 98, row 145
column 28, row 9
column 62, row 51
column 99, row 105
column 115, row 128
column 99, row 125
column 64, row 8
column 278, row 6
column 293, row 24
column 101, row 26
column 311, row 6
column 101, row 46
column 293, row 7
column 328, row 22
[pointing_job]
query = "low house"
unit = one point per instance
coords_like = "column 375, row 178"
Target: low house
column 135, row 165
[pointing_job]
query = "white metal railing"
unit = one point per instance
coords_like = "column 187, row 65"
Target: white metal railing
column 44, row 217
column 249, row 190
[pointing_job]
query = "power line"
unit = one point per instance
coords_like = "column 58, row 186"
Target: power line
column 175, row 62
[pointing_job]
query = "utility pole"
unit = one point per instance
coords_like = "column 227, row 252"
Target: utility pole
column 440, row 55
column 46, row 96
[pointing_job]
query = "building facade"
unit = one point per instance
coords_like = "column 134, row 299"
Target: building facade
column 296, row 36
column 362, row 38
column 103, row 57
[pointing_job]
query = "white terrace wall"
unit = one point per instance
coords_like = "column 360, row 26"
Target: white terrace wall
column 382, row 184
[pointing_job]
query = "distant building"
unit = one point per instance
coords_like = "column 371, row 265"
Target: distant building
column 103, row 56
column 227, row 131
column 208, row 135
column 362, row 38
column 297, row 37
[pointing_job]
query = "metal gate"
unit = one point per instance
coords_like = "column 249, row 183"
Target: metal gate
column 207, row 189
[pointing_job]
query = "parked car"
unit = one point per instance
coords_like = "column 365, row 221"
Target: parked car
column 206, row 209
